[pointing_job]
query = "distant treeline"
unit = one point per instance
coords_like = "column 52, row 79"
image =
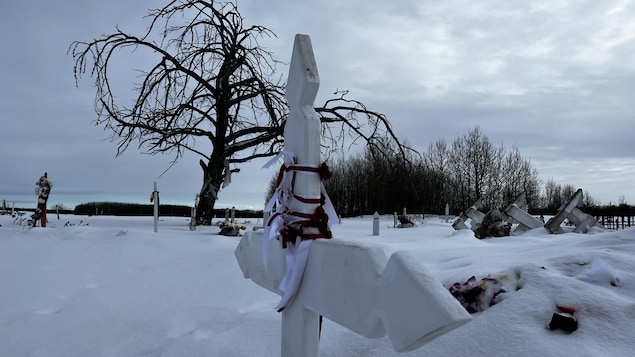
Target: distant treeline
column 136, row 209
column 129, row 209
column 456, row 174
column 622, row 210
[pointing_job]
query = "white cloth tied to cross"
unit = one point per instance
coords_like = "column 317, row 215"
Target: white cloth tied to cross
column 297, row 253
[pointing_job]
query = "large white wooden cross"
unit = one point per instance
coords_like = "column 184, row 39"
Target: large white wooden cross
column 356, row 286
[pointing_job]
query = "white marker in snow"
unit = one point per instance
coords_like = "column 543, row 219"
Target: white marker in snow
column 356, row 286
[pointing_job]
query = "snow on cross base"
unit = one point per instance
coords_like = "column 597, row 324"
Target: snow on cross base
column 356, row 286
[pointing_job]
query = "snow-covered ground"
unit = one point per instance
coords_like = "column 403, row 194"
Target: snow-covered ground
column 113, row 287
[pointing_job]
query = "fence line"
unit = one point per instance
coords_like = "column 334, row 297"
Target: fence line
column 616, row 222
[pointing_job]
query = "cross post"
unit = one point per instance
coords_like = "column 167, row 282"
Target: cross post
column 356, row 286
column 155, row 200
column 300, row 327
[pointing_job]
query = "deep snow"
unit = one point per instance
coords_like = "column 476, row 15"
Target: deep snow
column 116, row 288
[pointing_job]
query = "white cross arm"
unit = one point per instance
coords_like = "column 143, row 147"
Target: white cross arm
column 249, row 254
column 362, row 289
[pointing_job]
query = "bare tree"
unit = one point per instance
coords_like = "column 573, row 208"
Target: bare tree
column 472, row 168
column 341, row 116
column 590, row 201
column 553, row 194
column 210, row 81
column 568, row 190
column 475, row 165
column 557, row 195
column 519, row 177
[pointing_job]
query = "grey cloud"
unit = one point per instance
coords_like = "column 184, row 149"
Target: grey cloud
column 554, row 78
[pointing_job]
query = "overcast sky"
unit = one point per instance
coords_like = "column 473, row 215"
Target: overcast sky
column 555, row 78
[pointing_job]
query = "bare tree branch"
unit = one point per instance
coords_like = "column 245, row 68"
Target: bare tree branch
column 341, row 117
column 205, row 85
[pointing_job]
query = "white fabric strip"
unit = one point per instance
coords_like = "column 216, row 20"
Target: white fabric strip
column 297, row 253
column 296, row 257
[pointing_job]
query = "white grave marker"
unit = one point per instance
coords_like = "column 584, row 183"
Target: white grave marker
column 515, row 214
column 473, row 213
column 356, row 286
column 155, row 199
column 193, row 214
column 447, row 213
column 376, row 224
column 582, row 221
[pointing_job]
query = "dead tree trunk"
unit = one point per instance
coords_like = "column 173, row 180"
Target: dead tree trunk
column 212, row 181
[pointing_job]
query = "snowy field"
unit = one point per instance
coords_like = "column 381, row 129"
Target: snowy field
column 115, row 288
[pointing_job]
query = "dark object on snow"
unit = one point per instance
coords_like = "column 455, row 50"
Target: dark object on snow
column 563, row 321
column 405, row 222
column 493, row 226
column 229, row 231
column 476, row 296
column 43, row 189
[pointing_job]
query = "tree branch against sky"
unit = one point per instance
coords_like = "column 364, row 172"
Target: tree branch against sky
column 208, row 87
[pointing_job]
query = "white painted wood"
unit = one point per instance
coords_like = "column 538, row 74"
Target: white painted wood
column 376, row 224
column 302, row 130
column 525, row 220
column 355, row 286
column 360, row 288
column 473, row 214
column 155, row 200
column 193, row 214
column 302, row 138
column 581, row 220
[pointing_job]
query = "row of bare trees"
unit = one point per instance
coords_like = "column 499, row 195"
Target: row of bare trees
column 555, row 195
column 473, row 168
column 458, row 174
column 377, row 180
